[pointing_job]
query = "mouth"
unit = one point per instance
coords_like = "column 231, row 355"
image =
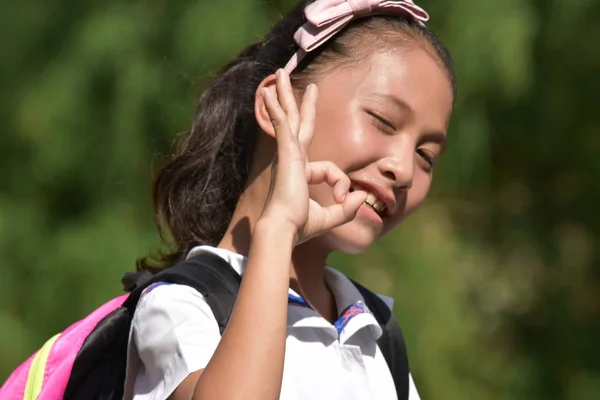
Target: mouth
column 374, row 202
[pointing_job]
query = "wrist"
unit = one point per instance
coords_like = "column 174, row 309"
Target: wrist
column 276, row 230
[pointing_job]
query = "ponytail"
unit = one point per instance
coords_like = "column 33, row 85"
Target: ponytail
column 196, row 191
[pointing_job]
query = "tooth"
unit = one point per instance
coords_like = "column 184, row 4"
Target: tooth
column 371, row 199
column 379, row 205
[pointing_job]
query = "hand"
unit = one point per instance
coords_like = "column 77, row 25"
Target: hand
column 288, row 200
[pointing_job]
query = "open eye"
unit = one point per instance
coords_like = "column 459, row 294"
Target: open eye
column 382, row 124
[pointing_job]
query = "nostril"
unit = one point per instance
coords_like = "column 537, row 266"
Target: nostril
column 390, row 175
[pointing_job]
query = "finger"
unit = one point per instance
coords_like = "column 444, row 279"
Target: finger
column 327, row 171
column 287, row 144
column 308, row 113
column 287, row 100
column 278, row 117
column 339, row 214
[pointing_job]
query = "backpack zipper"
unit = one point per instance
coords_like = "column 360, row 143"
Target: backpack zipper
column 35, row 377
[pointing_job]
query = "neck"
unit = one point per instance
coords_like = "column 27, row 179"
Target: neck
column 307, row 271
column 307, row 264
column 307, row 278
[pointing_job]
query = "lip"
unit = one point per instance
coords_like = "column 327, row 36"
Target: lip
column 386, row 196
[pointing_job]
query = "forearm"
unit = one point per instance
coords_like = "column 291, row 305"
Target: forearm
column 248, row 363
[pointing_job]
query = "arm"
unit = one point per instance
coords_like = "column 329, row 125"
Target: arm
column 248, row 363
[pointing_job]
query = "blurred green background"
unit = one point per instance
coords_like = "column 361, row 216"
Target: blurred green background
column 496, row 279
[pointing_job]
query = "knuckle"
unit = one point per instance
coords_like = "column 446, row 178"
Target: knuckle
column 329, row 165
column 334, row 169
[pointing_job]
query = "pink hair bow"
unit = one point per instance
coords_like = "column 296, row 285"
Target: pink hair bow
column 328, row 17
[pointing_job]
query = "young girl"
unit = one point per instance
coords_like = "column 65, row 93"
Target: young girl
column 323, row 137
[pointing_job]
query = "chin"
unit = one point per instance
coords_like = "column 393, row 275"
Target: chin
column 351, row 238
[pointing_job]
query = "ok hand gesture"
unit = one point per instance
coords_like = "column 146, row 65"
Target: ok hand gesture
column 288, row 199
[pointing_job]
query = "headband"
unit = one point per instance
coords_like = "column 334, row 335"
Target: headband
column 325, row 18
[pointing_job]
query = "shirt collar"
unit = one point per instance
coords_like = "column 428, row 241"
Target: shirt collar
column 353, row 314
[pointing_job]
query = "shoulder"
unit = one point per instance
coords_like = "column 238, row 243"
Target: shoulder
column 172, row 320
column 173, row 333
column 167, row 306
column 165, row 291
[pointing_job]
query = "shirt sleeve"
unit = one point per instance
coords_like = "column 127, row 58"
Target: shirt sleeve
column 174, row 333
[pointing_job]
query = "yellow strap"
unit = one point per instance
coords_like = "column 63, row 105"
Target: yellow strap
column 35, row 378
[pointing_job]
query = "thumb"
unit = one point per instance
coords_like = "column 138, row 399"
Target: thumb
column 352, row 203
column 339, row 214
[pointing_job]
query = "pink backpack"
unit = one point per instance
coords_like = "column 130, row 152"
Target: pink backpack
column 45, row 374
column 88, row 359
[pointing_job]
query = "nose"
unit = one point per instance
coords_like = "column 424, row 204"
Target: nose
column 399, row 170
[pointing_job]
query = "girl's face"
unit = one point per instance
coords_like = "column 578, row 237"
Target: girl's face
column 383, row 122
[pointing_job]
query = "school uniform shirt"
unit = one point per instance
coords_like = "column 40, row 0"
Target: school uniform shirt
column 175, row 333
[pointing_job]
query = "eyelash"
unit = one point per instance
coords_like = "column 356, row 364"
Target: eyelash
column 428, row 159
column 388, row 128
column 382, row 124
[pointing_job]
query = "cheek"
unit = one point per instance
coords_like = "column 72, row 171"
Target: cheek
column 413, row 200
column 338, row 134
column 322, row 194
column 419, row 190
column 417, row 194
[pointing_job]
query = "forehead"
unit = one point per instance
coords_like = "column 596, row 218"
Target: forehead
column 411, row 74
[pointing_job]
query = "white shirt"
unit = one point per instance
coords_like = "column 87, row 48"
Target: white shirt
column 175, row 333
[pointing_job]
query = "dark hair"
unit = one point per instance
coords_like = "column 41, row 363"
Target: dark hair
column 196, row 191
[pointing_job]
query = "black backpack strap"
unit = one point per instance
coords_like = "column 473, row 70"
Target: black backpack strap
column 208, row 273
column 99, row 369
column 391, row 343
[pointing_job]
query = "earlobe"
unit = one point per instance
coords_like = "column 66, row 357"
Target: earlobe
column 260, row 109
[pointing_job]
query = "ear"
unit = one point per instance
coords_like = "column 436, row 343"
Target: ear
column 260, row 109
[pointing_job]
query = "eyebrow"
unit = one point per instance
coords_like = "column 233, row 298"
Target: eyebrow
column 396, row 100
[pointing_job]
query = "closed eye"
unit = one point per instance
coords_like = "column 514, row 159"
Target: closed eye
column 382, row 124
column 429, row 159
